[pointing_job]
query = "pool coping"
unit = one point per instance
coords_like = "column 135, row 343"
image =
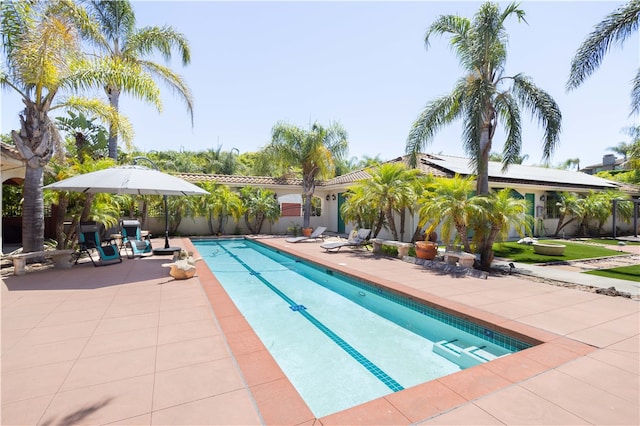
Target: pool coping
column 270, row 387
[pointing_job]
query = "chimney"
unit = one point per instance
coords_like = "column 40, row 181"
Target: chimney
column 608, row 160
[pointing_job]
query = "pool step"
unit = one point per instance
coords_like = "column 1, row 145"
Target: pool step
column 463, row 353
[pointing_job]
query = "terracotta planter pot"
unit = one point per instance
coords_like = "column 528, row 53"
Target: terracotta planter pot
column 426, row 250
column 306, row 232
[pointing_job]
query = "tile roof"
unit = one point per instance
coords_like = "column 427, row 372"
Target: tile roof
column 240, row 180
column 440, row 166
column 10, row 151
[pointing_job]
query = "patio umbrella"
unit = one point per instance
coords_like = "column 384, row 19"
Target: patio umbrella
column 131, row 180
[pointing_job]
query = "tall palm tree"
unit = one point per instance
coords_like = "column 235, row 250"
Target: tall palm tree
column 480, row 97
column 129, row 48
column 43, row 59
column 613, row 30
column 314, row 151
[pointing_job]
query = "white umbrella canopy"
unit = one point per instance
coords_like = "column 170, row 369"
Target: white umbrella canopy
column 132, row 180
column 128, row 180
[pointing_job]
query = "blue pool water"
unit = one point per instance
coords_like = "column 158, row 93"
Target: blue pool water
column 343, row 342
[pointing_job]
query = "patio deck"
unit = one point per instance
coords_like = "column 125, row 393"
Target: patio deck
column 126, row 344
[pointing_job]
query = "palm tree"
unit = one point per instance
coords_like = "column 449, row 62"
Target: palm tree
column 448, row 203
column 571, row 162
column 130, row 50
column 569, row 204
column 259, row 204
column 480, row 98
column 496, row 156
column 622, row 148
column 219, row 204
column 390, row 190
column 41, row 42
column 314, row 151
column 613, row 30
column 494, row 217
column 358, row 208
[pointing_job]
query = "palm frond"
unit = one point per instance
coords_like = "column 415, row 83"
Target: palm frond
column 173, row 80
column 117, row 73
column 79, row 18
column 458, row 28
column 635, row 94
column 435, row 115
column 163, row 40
column 116, row 19
column 102, row 110
column 614, row 29
column 509, row 114
column 543, row 108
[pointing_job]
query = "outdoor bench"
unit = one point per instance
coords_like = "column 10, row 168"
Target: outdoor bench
column 61, row 259
column 403, row 248
column 463, row 258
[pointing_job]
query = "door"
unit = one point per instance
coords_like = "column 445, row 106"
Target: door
column 341, row 201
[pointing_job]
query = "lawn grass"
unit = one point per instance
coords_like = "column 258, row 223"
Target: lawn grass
column 524, row 253
column 629, row 273
column 610, row 241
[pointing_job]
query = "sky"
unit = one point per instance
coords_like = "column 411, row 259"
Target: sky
column 364, row 65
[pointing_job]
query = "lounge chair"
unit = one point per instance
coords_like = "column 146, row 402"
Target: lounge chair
column 133, row 240
column 317, row 233
column 360, row 240
column 89, row 241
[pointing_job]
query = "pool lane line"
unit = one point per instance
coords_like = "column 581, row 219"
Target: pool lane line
column 350, row 350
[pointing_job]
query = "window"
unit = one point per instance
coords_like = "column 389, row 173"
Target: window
column 550, row 205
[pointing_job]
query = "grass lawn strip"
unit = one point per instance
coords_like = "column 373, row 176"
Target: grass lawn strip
column 610, row 242
column 524, row 253
column 628, row 273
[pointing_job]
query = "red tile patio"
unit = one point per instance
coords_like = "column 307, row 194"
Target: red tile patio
column 127, row 344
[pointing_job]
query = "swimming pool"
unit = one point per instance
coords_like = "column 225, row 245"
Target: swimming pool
column 340, row 342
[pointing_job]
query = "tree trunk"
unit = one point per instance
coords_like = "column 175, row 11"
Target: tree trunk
column 392, row 223
column 210, row 223
column 36, row 147
column 307, row 194
column 486, row 249
column 379, row 225
column 63, row 203
column 222, row 220
column 464, row 239
column 486, row 137
column 113, row 93
column 33, row 210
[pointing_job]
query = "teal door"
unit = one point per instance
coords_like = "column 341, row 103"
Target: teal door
column 340, row 220
column 531, row 201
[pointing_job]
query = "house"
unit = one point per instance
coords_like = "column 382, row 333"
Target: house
column 609, row 162
column 538, row 185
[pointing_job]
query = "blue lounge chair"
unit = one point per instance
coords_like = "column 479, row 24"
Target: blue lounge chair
column 360, row 240
column 133, row 240
column 316, row 234
column 89, row 242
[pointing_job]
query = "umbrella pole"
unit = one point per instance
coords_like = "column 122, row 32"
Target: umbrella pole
column 167, row 249
column 166, row 223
